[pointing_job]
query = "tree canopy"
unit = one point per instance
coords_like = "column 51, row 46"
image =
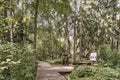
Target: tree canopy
column 32, row 30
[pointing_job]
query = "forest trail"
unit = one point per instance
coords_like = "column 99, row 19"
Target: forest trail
column 47, row 71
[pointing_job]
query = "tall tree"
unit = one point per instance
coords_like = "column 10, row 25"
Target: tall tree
column 81, row 29
column 11, row 14
column 74, row 22
column 35, row 32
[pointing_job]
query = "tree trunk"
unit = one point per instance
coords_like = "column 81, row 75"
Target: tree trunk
column 81, row 39
column 67, row 39
column 118, row 44
column 35, row 33
column 7, row 32
column 112, row 44
column 22, row 25
column 74, row 41
column 5, row 15
column 11, row 30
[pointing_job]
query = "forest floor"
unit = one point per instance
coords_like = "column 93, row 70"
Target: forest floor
column 47, row 71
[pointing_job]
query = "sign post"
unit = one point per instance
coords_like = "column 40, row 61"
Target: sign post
column 93, row 57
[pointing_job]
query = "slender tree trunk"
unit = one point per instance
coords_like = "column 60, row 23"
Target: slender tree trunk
column 80, row 41
column 117, row 43
column 74, row 41
column 51, row 43
column 118, row 38
column 11, row 31
column 22, row 26
column 68, row 44
column 7, row 33
column 81, row 38
column 35, row 33
column 112, row 44
column 67, row 39
column 5, row 15
column 67, row 51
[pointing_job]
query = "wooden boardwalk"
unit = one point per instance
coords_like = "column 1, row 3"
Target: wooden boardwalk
column 48, row 72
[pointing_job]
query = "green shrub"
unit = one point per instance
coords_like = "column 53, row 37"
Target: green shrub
column 94, row 73
column 15, row 62
column 109, row 58
column 58, row 61
column 55, row 61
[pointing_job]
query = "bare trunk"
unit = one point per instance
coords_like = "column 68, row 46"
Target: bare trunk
column 67, row 39
column 80, row 41
column 74, row 41
column 7, row 32
column 114, row 43
column 22, row 26
column 11, row 31
column 5, row 15
column 81, row 38
column 35, row 33
column 67, row 49
column 117, row 43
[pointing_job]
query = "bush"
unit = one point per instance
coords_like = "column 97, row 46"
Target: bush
column 55, row 61
column 58, row 61
column 94, row 73
column 109, row 58
column 15, row 62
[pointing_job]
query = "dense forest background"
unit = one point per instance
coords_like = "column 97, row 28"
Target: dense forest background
column 32, row 30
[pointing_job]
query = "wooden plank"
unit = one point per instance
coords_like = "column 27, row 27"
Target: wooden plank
column 46, row 72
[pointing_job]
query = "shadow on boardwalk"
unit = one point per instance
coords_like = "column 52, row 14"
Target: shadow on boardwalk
column 48, row 72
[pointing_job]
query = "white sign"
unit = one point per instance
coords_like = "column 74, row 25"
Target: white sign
column 93, row 56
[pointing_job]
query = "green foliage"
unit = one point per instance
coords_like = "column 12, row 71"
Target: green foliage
column 94, row 73
column 48, row 46
column 55, row 61
column 97, row 17
column 108, row 57
column 15, row 62
column 58, row 61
